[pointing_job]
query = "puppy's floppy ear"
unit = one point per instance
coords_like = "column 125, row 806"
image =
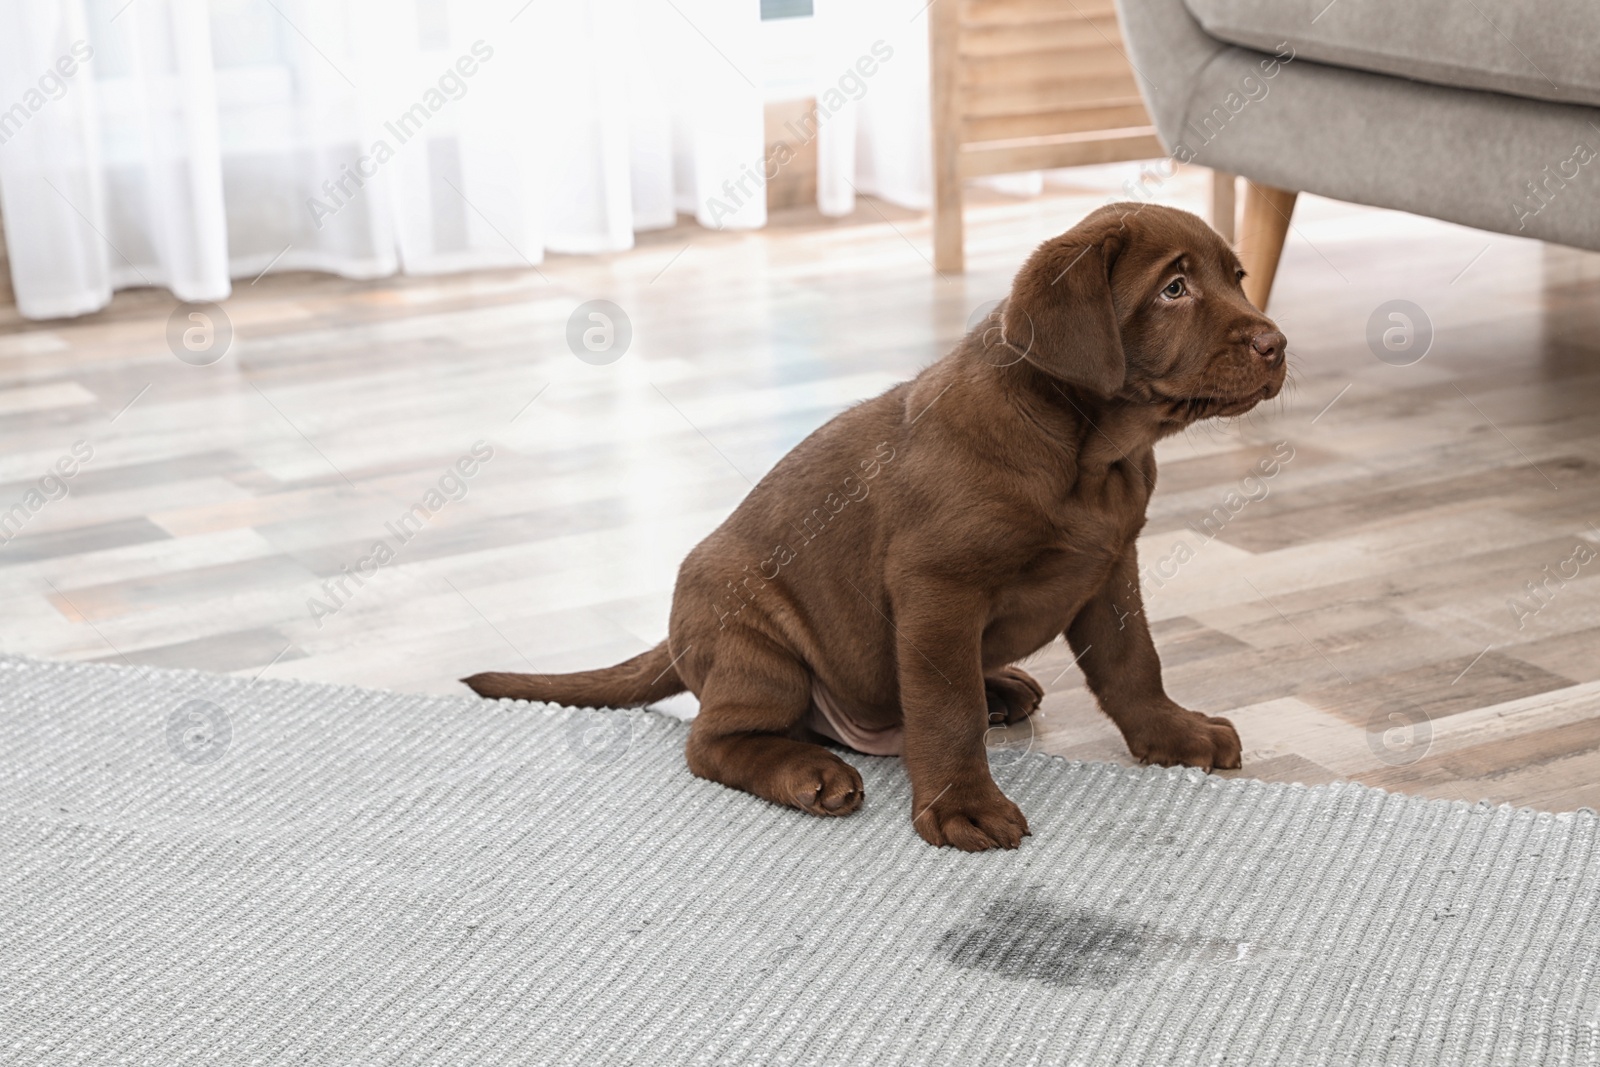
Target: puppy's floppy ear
column 1060, row 314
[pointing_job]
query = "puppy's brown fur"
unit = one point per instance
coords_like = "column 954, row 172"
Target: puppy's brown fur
column 895, row 564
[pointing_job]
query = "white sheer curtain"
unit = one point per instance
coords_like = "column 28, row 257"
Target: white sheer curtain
column 880, row 141
column 186, row 143
column 194, row 142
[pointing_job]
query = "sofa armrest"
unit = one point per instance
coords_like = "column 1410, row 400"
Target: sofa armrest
column 1168, row 51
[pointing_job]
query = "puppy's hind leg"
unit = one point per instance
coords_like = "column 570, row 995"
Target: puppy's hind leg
column 1012, row 695
column 753, row 696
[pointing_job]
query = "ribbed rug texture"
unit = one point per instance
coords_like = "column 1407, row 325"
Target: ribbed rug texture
column 205, row 869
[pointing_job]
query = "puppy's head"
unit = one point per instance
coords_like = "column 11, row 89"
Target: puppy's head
column 1143, row 303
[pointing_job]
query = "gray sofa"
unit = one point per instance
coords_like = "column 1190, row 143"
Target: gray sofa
column 1481, row 112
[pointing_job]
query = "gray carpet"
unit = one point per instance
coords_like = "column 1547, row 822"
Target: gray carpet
column 195, row 869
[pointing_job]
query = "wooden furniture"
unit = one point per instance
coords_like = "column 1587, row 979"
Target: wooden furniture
column 1261, row 236
column 1223, row 186
column 1024, row 85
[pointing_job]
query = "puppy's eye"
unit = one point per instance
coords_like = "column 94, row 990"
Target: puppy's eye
column 1175, row 288
column 1238, row 275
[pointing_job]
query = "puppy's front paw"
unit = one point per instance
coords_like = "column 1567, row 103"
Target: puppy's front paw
column 972, row 819
column 1180, row 736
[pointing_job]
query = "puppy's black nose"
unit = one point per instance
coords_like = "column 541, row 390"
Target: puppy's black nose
column 1269, row 345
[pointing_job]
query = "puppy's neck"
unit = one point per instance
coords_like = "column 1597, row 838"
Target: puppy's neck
column 1101, row 431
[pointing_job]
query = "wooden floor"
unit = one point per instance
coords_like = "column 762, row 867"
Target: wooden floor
column 1353, row 614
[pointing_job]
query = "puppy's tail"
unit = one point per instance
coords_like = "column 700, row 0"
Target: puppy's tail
column 641, row 680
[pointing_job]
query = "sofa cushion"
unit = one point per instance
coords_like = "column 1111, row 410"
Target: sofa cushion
column 1545, row 50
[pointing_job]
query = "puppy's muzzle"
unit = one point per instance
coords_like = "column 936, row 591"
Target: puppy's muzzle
column 1271, row 346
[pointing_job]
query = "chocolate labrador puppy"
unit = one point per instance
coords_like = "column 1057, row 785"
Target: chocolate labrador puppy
column 880, row 582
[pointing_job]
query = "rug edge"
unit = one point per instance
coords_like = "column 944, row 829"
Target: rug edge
column 466, row 702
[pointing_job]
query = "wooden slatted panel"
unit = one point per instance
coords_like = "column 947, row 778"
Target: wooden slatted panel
column 1035, row 97
column 1062, row 150
column 1047, row 66
column 1042, row 68
column 1001, row 39
column 1034, row 12
column 1118, row 115
column 1026, row 85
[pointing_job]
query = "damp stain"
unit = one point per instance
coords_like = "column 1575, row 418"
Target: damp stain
column 1069, row 947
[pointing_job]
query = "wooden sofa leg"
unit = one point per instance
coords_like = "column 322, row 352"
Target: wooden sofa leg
column 1261, row 234
column 1223, row 185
